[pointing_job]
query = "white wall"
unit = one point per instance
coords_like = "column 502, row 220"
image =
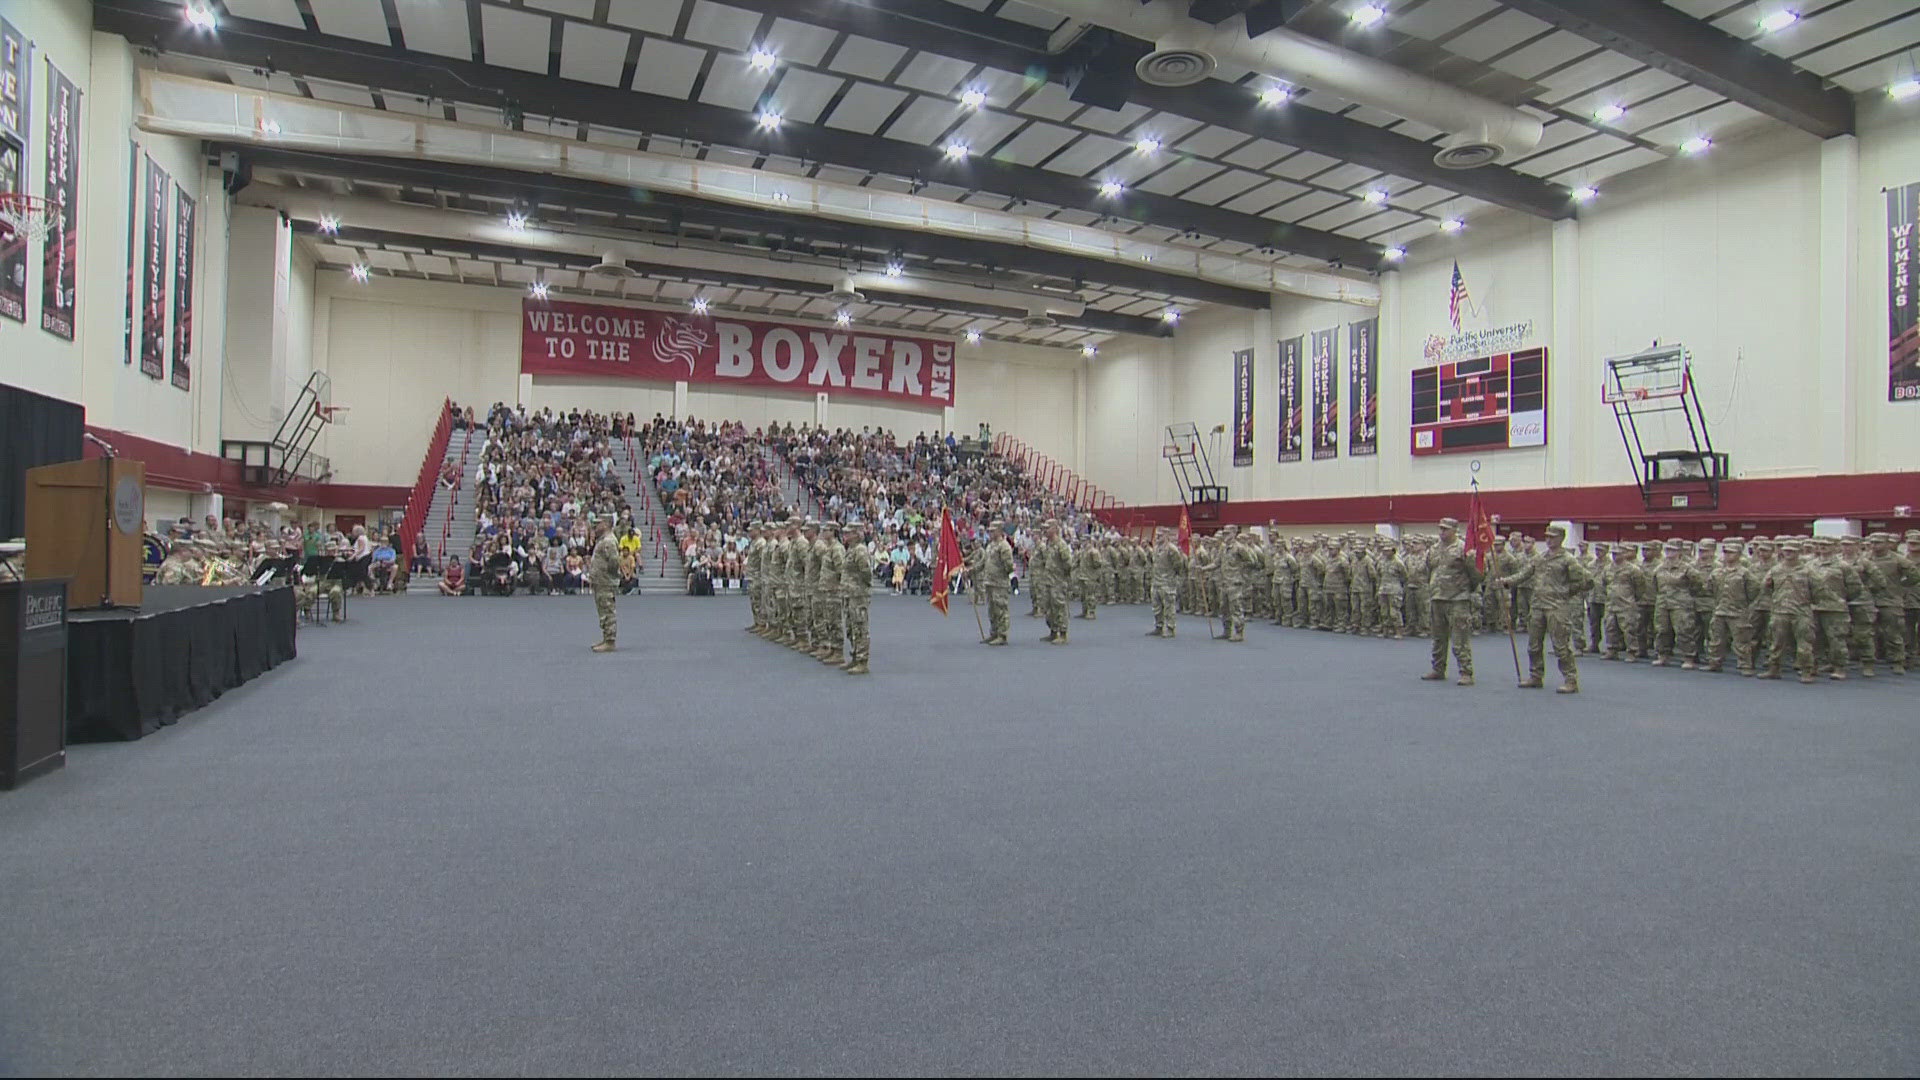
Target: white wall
column 395, row 348
column 89, row 369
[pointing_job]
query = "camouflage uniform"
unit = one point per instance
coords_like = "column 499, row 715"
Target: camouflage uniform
column 995, row 570
column 855, row 575
column 1678, row 585
column 1553, row 583
column 1056, row 558
column 1169, row 572
column 1733, row 587
column 1089, row 569
column 1788, row 588
column 1620, row 621
column 1453, row 579
column 829, row 599
column 603, row 577
column 1392, row 588
column 1339, row 600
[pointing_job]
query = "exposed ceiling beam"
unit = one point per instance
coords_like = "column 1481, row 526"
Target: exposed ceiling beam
column 1105, row 322
column 508, row 185
column 1262, row 15
column 1669, row 39
column 275, row 48
column 948, row 29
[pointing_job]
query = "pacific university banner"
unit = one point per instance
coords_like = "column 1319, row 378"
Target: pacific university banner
column 1903, row 302
column 153, row 249
column 16, row 84
column 182, row 289
column 1243, row 407
column 1290, row 411
column 1363, row 386
column 61, row 247
column 1326, row 396
column 560, row 337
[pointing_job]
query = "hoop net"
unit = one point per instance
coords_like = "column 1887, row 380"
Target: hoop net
column 23, row 217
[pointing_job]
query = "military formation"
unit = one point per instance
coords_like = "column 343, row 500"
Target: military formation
column 809, row 585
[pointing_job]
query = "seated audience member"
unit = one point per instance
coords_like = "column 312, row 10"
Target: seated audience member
column 454, row 581
column 629, row 572
column 574, row 572
column 553, row 565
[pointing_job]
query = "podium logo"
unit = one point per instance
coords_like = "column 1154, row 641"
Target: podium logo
column 44, row 611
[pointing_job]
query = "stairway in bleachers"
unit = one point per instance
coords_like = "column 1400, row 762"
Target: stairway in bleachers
column 449, row 525
column 792, row 490
column 662, row 567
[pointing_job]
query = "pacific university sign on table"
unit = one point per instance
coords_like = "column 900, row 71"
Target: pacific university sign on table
column 561, row 337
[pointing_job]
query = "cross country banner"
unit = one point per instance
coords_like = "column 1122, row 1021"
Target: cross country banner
column 599, row 341
column 1363, row 387
column 153, row 259
column 1903, row 302
column 16, row 86
column 182, row 289
column 1242, row 407
column 1290, row 404
column 61, row 246
column 133, row 250
column 1326, row 395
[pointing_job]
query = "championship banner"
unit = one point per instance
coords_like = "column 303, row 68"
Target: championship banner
column 1363, row 386
column 1326, row 396
column 133, row 253
column 16, row 87
column 559, row 337
column 1903, row 304
column 1290, row 398
column 1242, row 407
column 153, row 256
column 61, row 247
column 182, row 289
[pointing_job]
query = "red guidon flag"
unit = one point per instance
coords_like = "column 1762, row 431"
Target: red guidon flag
column 946, row 564
column 1186, row 533
column 1480, row 538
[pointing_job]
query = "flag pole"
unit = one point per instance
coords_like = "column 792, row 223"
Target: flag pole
column 973, row 594
column 1513, row 643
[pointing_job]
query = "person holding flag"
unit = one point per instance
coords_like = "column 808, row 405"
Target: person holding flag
column 1457, row 570
column 995, row 580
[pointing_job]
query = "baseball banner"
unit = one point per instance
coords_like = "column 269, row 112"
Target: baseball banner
column 1363, row 384
column 16, row 87
column 1326, row 396
column 153, row 257
column 1290, row 409
column 182, row 289
column 1903, row 304
column 59, row 291
column 1243, row 407
column 133, row 252
column 559, row 337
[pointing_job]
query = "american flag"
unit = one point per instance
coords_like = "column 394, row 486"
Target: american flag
column 1458, row 298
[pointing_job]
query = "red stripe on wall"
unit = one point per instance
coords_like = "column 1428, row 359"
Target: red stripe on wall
column 179, row 469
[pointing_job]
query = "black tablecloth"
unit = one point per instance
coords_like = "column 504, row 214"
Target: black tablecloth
column 129, row 672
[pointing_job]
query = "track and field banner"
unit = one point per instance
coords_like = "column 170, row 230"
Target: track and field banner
column 1363, row 387
column 560, row 337
column 1326, row 395
column 182, row 289
column 1903, row 301
column 1242, row 407
column 60, row 248
column 153, row 258
column 16, row 98
column 133, row 251
column 1290, row 410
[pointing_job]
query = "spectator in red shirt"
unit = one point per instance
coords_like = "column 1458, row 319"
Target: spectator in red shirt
column 454, row 582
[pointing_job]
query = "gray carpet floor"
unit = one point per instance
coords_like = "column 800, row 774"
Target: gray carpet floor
column 448, row 839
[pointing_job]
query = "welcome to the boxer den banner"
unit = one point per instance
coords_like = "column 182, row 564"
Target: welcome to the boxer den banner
column 558, row 337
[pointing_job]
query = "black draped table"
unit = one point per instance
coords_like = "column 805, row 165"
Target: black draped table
column 131, row 671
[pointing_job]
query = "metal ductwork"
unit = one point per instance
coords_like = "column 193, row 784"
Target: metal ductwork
column 845, row 292
column 1186, row 51
column 613, row 266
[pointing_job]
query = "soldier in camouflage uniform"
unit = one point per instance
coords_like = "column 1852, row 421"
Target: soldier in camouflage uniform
column 1089, row 566
column 1832, row 625
column 830, row 601
column 1169, row 573
column 1283, row 572
column 1862, row 609
column 1789, row 591
column 1453, row 580
column 1339, row 599
column 994, row 572
column 1913, row 597
column 1760, row 558
column 756, row 584
column 1363, row 586
column 1313, row 578
column 1597, row 596
column 1677, row 587
column 603, row 578
column 1056, row 558
column 1419, row 553
column 1391, row 573
column 1732, row 587
column 1620, row 622
column 1553, row 583
column 1242, row 568
column 1888, row 575
column 855, row 574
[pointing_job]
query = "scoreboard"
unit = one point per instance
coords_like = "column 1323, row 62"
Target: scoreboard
column 1488, row 403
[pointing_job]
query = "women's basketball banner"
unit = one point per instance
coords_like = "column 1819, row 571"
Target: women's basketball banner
column 1363, row 387
column 559, row 337
column 60, row 250
column 153, row 247
column 1290, row 398
column 1243, row 407
column 1903, row 303
column 1326, row 396
column 15, row 98
column 182, row 290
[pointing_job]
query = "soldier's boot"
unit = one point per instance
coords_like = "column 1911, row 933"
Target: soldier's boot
column 1747, row 671
column 1169, row 632
column 1836, row 675
column 1464, row 680
column 1898, row 669
column 604, row 646
column 1688, row 665
column 1808, row 679
column 1534, row 682
column 998, row 639
column 836, row 658
column 1571, row 686
column 1611, row 656
column 1717, row 666
column 1433, row 676
column 1659, row 661
column 858, row 667
column 1866, row 671
column 1058, row 639
column 822, row 652
column 1770, row 673
column 1628, row 659
column 1158, row 631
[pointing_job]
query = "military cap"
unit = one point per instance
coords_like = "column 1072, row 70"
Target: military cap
column 1731, row 544
column 1761, row 543
column 1849, row 541
column 1675, row 544
column 1449, row 523
column 1554, row 530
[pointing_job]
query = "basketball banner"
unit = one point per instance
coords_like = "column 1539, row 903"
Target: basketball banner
column 1243, row 407
column 182, row 289
column 1290, row 398
column 559, row 337
column 1326, row 396
column 1903, row 303
column 153, row 241
column 1363, row 385
column 16, row 87
column 60, row 249
column 133, row 252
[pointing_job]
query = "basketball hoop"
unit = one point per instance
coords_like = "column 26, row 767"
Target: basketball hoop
column 23, row 217
column 332, row 414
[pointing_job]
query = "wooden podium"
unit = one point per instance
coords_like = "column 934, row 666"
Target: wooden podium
column 85, row 521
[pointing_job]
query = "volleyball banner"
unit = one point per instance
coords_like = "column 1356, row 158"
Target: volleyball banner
column 1290, row 410
column 1326, row 396
column 16, row 87
column 182, row 289
column 559, row 337
column 1243, row 407
column 153, row 258
column 1903, row 302
column 60, row 248
column 1363, row 387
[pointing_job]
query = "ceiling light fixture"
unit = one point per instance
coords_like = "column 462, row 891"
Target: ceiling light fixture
column 329, row 224
column 516, row 220
column 202, row 16
column 270, row 126
column 537, row 290
column 359, row 271
column 781, row 196
column 1696, row 145
column 1904, row 89
column 973, row 337
column 762, row 59
column 841, row 318
column 957, row 150
column 1452, row 225
column 1089, row 350
column 1275, row 95
column 1608, row 113
column 769, row 121
column 699, row 305
column 1368, row 15
column 1779, row 20
column 973, row 97
column 1375, row 197
column 1170, row 316
column 1148, row 145
column 894, row 269
column 1111, row 189
column 1585, row 193
column 1394, row 254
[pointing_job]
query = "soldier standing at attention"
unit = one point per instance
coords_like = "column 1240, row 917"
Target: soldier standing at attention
column 1733, row 588
column 1057, row 559
column 1419, row 550
column 994, row 578
column 1282, row 569
column 1363, row 584
column 1392, row 588
column 1760, row 558
column 1675, row 584
column 1553, row 583
column 1089, row 566
column 830, row 604
column 1831, row 626
column 1239, row 566
column 1620, row 622
column 1913, row 596
column 1169, row 570
column 1454, row 577
column 1313, row 582
column 603, row 577
column 793, row 631
column 1862, row 610
column 756, row 586
column 1888, row 575
column 1339, row 600
column 1788, row 588
column 1206, row 573
column 1597, row 597
column 855, row 574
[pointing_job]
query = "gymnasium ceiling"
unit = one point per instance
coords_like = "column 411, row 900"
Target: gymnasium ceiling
column 873, row 93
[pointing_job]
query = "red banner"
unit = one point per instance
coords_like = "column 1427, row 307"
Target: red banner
column 559, row 337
